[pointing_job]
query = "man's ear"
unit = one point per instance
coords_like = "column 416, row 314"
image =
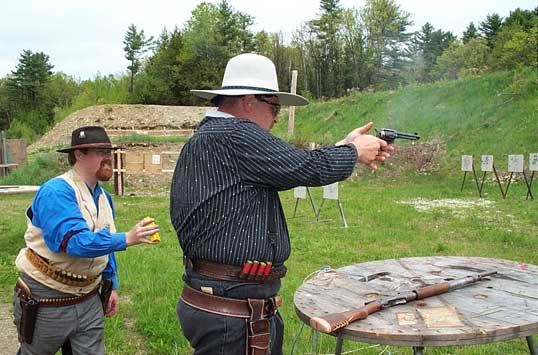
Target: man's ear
column 78, row 154
column 248, row 102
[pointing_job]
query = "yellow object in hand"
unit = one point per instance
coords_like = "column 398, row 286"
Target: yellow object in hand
column 156, row 238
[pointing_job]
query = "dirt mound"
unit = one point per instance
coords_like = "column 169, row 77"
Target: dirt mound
column 122, row 117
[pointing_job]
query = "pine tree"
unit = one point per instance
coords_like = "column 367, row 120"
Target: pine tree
column 163, row 81
column 470, row 33
column 136, row 44
column 30, row 77
column 6, row 106
column 386, row 37
column 328, row 46
column 427, row 46
column 490, row 27
column 524, row 18
column 31, row 107
column 235, row 37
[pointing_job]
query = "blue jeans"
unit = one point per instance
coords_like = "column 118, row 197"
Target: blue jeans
column 213, row 334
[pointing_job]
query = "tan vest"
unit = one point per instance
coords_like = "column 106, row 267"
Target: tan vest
column 90, row 267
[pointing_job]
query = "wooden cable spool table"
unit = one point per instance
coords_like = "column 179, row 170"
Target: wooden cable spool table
column 502, row 307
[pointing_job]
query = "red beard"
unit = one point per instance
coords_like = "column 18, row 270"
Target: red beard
column 105, row 171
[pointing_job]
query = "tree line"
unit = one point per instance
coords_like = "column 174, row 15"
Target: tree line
column 341, row 50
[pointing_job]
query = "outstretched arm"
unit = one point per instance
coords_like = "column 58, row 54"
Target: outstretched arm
column 369, row 148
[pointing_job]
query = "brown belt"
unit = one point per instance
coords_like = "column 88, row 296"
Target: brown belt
column 230, row 272
column 61, row 276
column 24, row 292
column 230, row 307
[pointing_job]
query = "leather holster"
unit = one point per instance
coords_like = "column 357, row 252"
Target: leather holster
column 29, row 307
column 258, row 334
column 104, row 293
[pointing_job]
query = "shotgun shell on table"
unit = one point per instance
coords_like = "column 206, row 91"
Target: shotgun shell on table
column 156, row 238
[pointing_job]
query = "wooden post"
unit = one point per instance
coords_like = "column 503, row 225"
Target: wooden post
column 330, row 192
column 119, row 172
column 122, row 172
column 515, row 165
column 533, row 167
column 293, row 90
column 4, row 161
column 4, row 148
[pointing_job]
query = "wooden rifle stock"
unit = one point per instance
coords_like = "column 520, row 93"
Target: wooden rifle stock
column 335, row 321
column 432, row 290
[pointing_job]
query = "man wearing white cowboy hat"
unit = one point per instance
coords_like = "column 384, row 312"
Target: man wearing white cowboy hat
column 69, row 255
column 227, row 213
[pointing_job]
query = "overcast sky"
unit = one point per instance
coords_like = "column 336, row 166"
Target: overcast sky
column 84, row 37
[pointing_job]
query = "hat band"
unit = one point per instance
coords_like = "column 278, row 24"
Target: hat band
column 247, row 88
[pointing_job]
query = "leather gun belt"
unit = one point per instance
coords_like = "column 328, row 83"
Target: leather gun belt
column 230, row 272
column 62, row 276
column 230, row 307
column 24, row 292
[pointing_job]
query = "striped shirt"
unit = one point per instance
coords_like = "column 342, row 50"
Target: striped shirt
column 219, row 198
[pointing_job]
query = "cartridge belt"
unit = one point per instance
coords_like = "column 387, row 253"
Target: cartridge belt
column 225, row 306
column 231, row 272
column 24, row 293
column 62, row 276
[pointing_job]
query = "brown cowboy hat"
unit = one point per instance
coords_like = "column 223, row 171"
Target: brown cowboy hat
column 89, row 137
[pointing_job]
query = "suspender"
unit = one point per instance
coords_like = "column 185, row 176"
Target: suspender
column 271, row 222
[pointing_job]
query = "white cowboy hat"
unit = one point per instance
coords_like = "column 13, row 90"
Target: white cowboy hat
column 251, row 74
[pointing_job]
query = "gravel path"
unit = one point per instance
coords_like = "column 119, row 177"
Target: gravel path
column 8, row 333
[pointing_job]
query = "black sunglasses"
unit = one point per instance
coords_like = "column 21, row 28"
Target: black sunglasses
column 274, row 107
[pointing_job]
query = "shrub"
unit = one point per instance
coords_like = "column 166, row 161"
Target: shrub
column 38, row 170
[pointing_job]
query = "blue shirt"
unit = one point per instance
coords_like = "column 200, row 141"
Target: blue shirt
column 56, row 212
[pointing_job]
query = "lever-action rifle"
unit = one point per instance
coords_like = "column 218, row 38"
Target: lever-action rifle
column 334, row 321
column 389, row 135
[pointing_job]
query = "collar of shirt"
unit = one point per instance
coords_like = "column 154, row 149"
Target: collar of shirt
column 212, row 112
column 96, row 192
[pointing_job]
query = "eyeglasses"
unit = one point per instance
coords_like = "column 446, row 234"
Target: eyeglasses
column 100, row 152
column 274, row 107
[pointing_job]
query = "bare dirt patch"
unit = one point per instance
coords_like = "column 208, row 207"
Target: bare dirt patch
column 152, row 120
column 456, row 206
column 417, row 156
column 8, row 335
column 148, row 118
column 148, row 184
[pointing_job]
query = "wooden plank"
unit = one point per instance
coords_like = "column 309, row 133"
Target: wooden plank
column 12, row 189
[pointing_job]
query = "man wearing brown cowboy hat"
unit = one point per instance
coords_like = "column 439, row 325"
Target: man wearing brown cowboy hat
column 227, row 213
column 69, row 254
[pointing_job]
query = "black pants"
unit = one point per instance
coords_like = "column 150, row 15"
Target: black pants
column 213, row 334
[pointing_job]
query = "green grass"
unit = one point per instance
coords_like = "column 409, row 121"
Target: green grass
column 492, row 114
column 38, row 169
column 143, row 138
column 380, row 227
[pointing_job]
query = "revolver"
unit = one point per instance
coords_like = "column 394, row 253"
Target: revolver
column 389, row 135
